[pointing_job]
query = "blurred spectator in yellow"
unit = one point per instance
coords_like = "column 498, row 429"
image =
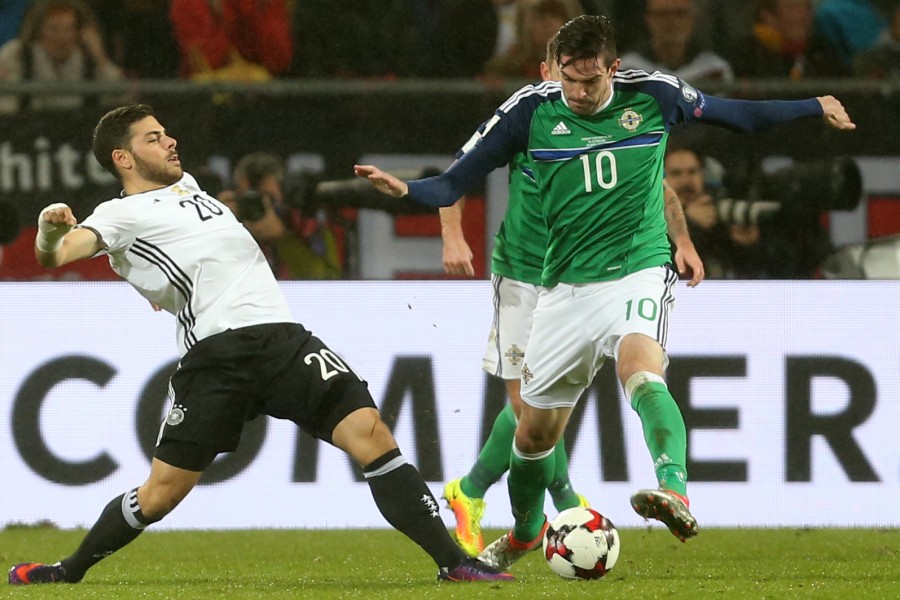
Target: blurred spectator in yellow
column 883, row 59
column 298, row 246
column 783, row 45
column 536, row 22
column 233, row 40
column 673, row 47
column 58, row 41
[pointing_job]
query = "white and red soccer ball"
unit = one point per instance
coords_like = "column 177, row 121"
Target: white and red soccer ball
column 581, row 544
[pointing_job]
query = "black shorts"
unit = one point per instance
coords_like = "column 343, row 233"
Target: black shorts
column 281, row 370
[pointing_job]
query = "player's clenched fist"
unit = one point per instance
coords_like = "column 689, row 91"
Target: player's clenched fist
column 54, row 222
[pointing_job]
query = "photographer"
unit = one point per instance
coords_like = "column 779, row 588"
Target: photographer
column 297, row 245
column 729, row 250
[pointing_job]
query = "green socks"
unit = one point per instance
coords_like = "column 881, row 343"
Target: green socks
column 529, row 477
column 493, row 460
column 560, row 487
column 664, row 433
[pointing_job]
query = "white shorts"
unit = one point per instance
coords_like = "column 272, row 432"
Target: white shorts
column 577, row 326
column 514, row 303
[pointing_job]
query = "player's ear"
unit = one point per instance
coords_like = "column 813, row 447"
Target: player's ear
column 545, row 71
column 121, row 158
column 615, row 66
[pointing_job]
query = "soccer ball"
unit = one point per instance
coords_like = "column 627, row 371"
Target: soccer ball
column 581, row 544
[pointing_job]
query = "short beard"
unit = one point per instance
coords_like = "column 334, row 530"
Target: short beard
column 154, row 173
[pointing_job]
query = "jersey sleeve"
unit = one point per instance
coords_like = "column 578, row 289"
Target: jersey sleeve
column 682, row 104
column 495, row 143
column 114, row 223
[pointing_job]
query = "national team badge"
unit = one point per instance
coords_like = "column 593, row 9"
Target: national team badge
column 176, row 415
column 689, row 93
column 514, row 355
column 630, row 120
column 527, row 375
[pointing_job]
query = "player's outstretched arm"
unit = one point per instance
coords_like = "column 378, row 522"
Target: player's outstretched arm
column 56, row 243
column 834, row 113
column 383, row 182
column 456, row 254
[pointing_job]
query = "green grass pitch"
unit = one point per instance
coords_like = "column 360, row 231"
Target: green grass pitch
column 730, row 564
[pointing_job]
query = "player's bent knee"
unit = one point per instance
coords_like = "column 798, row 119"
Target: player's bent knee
column 363, row 435
column 156, row 503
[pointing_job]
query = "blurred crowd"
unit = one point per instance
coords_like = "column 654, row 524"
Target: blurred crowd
column 253, row 40
column 260, row 40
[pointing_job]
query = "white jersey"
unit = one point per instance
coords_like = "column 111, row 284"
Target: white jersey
column 184, row 251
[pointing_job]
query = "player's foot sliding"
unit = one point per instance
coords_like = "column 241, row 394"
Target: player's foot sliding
column 506, row 550
column 28, row 573
column 472, row 569
column 669, row 508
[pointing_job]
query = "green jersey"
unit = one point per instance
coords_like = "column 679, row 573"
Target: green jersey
column 597, row 182
column 521, row 241
column 599, row 177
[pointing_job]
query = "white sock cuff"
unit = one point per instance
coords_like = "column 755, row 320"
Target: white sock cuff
column 535, row 456
column 130, row 506
column 638, row 379
column 394, row 463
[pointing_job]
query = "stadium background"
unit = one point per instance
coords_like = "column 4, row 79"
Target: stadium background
column 818, row 356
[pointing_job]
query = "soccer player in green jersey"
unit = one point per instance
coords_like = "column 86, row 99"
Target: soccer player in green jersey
column 597, row 140
column 516, row 263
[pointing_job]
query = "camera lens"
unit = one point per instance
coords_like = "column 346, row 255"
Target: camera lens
column 250, row 206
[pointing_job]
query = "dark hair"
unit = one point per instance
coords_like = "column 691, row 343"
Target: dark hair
column 585, row 38
column 37, row 13
column 252, row 168
column 113, row 131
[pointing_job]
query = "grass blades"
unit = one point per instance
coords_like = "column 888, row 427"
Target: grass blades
column 373, row 564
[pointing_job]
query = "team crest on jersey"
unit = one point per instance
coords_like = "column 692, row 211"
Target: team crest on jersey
column 630, row 120
column 177, row 189
column 688, row 93
column 527, row 375
column 560, row 129
column 514, row 355
column 176, row 415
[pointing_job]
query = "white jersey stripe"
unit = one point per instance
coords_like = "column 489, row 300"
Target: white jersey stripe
column 186, row 323
column 178, row 279
column 543, row 89
column 637, row 76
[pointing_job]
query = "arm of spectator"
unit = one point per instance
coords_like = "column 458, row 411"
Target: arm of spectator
column 93, row 43
column 456, row 255
column 687, row 261
column 10, row 70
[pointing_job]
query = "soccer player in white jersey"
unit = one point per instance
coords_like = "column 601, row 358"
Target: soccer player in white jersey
column 241, row 353
column 597, row 140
